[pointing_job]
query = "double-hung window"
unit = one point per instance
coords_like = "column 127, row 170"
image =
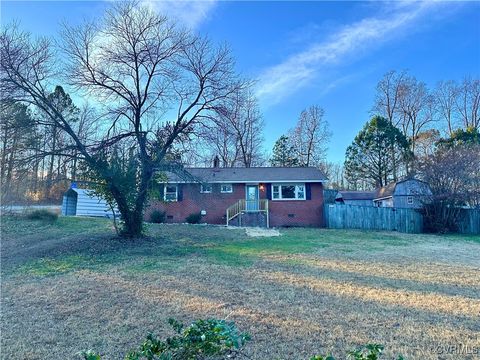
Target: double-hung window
column 288, row 192
column 226, row 188
column 170, row 193
column 206, row 188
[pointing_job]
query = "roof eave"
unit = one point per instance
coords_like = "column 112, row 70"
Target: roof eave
column 246, row 181
column 383, row 198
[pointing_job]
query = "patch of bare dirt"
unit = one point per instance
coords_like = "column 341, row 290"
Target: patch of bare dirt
column 261, row 232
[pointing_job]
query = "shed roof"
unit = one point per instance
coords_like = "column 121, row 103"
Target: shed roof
column 252, row 174
column 389, row 190
column 356, row 195
column 87, row 192
column 386, row 191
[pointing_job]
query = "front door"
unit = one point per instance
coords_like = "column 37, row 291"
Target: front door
column 252, row 198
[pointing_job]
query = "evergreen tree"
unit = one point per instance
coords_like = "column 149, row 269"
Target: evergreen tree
column 370, row 158
column 283, row 153
column 460, row 136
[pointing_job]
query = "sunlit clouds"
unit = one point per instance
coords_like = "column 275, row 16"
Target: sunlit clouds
column 346, row 44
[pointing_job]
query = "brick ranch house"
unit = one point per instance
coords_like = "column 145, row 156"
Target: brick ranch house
column 256, row 196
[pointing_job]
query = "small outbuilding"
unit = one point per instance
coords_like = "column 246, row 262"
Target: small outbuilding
column 408, row 193
column 358, row 198
column 83, row 202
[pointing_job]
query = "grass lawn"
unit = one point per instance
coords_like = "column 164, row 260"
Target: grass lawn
column 73, row 285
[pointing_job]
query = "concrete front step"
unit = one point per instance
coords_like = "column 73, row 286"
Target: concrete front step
column 253, row 219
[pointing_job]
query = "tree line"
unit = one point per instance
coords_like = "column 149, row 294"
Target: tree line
column 152, row 97
column 409, row 123
column 431, row 135
column 39, row 160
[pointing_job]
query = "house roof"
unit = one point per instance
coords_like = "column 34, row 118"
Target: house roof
column 356, row 195
column 252, row 174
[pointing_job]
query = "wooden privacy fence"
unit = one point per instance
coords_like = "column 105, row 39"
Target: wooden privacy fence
column 470, row 221
column 373, row 218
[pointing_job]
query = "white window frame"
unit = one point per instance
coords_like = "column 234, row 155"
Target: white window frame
column 203, row 191
column 410, row 200
column 165, row 192
column 296, row 198
column 226, row 192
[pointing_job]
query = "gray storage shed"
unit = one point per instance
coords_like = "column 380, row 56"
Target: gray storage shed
column 83, row 202
column 408, row 193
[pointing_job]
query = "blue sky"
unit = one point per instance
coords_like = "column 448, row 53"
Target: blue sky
column 327, row 53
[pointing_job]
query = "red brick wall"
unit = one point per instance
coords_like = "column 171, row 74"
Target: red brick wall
column 214, row 203
column 282, row 213
column 298, row 212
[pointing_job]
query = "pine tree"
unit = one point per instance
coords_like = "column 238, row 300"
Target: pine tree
column 369, row 157
column 283, row 153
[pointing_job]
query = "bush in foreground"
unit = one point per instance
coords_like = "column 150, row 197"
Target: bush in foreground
column 368, row 352
column 42, row 215
column 202, row 339
column 213, row 339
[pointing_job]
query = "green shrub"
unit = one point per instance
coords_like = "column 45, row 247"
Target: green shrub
column 320, row 357
column 194, row 218
column 213, row 339
column 42, row 215
column 368, row 352
column 200, row 340
column 90, row 355
column 158, row 216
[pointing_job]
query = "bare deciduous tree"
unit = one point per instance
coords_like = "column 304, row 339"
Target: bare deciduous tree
column 445, row 98
column 426, row 142
column 453, row 173
column 143, row 71
column 216, row 139
column 468, row 103
column 246, row 125
column 387, row 104
column 310, row 137
column 387, row 97
column 236, row 133
column 415, row 108
column 335, row 173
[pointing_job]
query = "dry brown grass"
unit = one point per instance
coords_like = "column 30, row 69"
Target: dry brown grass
column 432, row 273
column 294, row 303
column 456, row 305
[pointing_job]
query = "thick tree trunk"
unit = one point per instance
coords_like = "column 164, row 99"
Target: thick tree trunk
column 132, row 217
column 133, row 224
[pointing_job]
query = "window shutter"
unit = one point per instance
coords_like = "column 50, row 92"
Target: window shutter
column 161, row 192
column 179, row 192
column 269, row 191
column 308, row 191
